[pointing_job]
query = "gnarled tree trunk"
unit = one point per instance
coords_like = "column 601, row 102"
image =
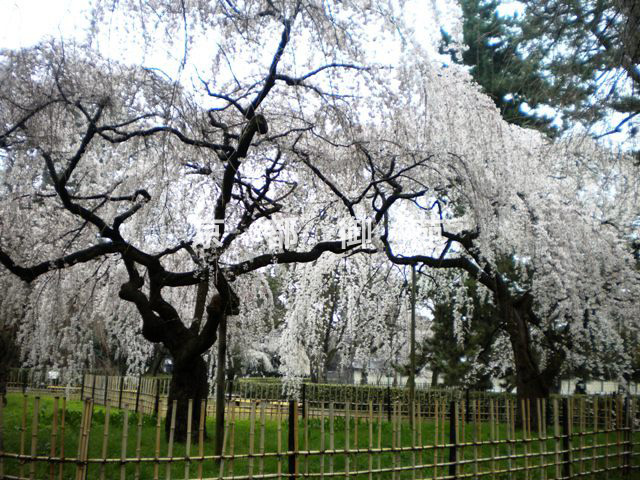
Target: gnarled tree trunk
column 162, row 324
column 532, row 381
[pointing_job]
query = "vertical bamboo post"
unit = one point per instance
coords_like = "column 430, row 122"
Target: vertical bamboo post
column 566, row 438
column 556, row 432
column 394, row 439
column 420, row 444
column 582, row 429
column 304, row 400
column 399, row 434
column 462, row 411
column 619, row 423
column 138, row 446
column 594, row 450
column 83, row 443
column 331, row 438
column 232, row 437
column 347, row 440
column 370, row 425
column 322, row 440
column 436, row 439
column 279, row 420
column 203, row 416
column 262, row 429
column 252, row 436
column 509, row 437
column 293, row 439
column 54, row 438
column 187, row 448
column 224, row 444
column 608, row 427
column 156, row 403
column 528, row 404
column 105, row 440
column 23, row 429
column 453, row 439
column 629, row 420
column 156, row 465
column 306, row 441
column 172, row 431
column 379, row 436
column 62, row 425
column 492, row 434
column 412, row 424
column 476, row 437
column 34, row 436
column 541, row 443
column 125, row 439
column 523, row 407
column 138, row 393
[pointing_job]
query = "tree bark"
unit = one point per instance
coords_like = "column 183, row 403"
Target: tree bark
column 162, row 324
column 188, row 382
column 220, row 385
column 434, row 378
column 532, row 381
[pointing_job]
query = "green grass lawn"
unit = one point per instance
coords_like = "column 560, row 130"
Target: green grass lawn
column 310, row 438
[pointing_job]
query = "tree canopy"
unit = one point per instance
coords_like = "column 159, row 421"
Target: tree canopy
column 160, row 204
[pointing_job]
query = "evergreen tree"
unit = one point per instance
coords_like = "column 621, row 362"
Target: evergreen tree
column 579, row 57
column 513, row 82
column 591, row 50
column 461, row 358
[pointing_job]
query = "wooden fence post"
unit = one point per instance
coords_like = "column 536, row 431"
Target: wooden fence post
column 453, row 439
column 156, row 405
column 304, row 400
column 82, row 387
column 93, row 387
column 627, row 436
column 467, row 406
column 293, row 439
column 120, row 393
column 138, row 392
column 566, row 439
column 389, row 403
column 106, row 390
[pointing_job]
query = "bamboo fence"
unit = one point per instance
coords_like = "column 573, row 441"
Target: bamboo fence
column 149, row 395
column 570, row 437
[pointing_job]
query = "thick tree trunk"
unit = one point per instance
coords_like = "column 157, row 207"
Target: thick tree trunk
column 220, row 385
column 434, row 378
column 532, row 382
column 188, row 382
